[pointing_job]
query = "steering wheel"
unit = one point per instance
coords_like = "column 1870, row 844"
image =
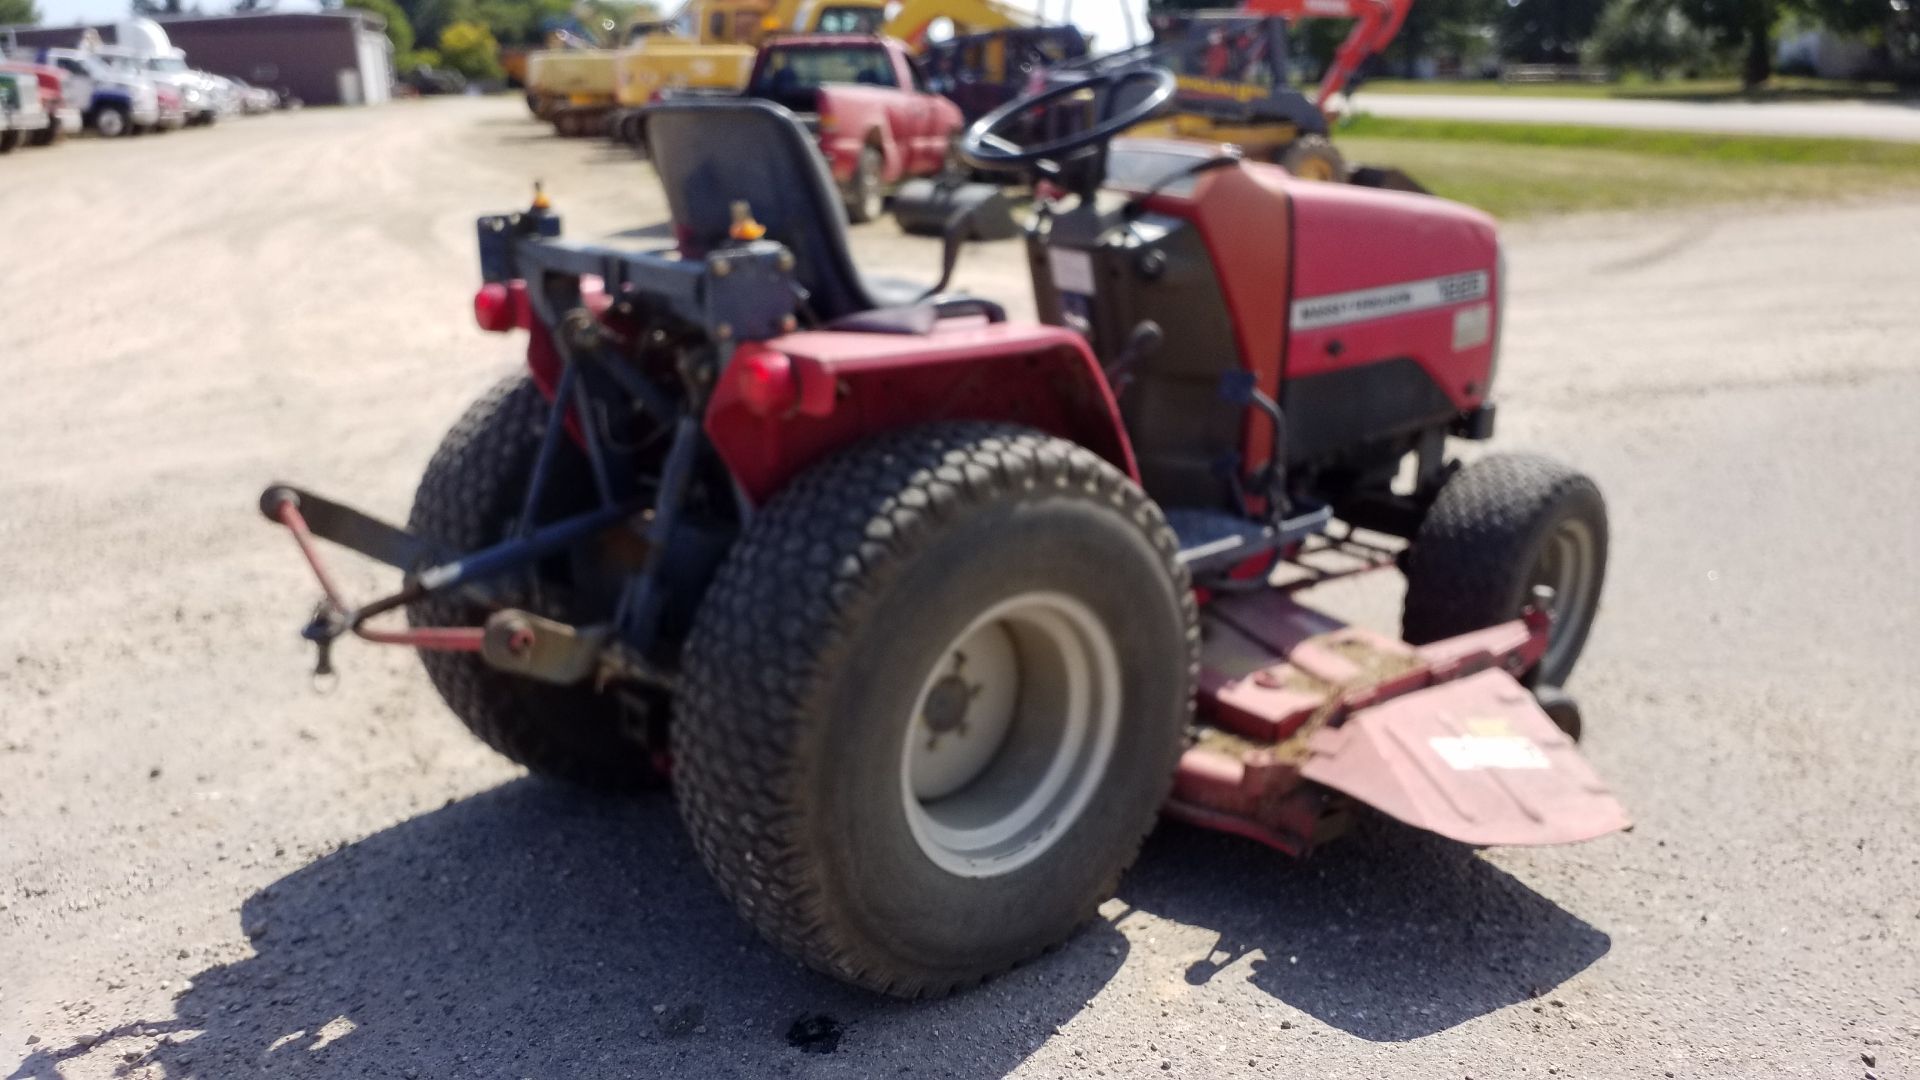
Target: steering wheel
column 988, row 143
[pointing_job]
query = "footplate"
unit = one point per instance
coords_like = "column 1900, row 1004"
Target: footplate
column 1299, row 712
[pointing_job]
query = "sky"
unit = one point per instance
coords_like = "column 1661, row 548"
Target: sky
column 1104, row 18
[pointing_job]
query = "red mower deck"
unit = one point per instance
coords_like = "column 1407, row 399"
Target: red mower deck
column 1296, row 705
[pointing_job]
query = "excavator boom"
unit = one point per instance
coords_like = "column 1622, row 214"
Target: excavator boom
column 1376, row 22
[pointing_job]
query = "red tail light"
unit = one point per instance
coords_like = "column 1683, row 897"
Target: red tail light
column 767, row 382
column 494, row 309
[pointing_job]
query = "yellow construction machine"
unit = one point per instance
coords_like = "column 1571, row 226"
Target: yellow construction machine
column 709, row 47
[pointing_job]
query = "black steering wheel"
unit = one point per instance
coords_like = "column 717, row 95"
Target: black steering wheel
column 989, row 143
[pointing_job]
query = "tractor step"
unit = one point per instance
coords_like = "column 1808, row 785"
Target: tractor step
column 1298, row 710
column 1212, row 541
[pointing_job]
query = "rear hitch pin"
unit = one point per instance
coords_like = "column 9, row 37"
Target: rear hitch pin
column 325, row 680
column 323, row 629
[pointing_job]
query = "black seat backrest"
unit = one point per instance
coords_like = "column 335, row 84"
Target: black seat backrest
column 711, row 154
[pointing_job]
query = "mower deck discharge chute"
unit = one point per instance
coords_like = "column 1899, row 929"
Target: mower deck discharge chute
column 930, row 613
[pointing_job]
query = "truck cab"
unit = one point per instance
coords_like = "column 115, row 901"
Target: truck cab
column 843, row 17
column 22, row 117
column 115, row 102
column 866, row 100
column 54, row 99
column 198, row 96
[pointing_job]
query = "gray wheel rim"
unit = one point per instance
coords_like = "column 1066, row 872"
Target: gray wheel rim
column 111, row 123
column 1011, row 735
column 1568, row 565
column 869, row 186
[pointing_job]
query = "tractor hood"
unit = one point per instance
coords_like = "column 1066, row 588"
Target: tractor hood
column 1348, row 237
column 1394, row 294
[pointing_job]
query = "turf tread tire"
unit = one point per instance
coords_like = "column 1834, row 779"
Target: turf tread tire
column 469, row 495
column 817, row 560
column 1467, row 565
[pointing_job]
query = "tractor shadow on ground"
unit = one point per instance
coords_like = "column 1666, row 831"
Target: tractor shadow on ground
column 1389, row 934
column 532, row 930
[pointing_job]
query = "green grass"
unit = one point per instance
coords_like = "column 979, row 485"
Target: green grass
column 1781, row 88
column 1521, row 170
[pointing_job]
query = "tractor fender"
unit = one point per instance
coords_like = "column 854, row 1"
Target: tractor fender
column 783, row 405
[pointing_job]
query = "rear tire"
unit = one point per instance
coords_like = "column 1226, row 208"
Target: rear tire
column 9, row 140
column 866, row 199
column 1314, row 157
column 468, row 499
column 1498, row 528
column 837, row 637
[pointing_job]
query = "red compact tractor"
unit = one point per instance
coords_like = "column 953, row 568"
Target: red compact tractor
column 930, row 613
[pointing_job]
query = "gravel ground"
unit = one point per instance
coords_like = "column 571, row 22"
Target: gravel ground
column 210, row 870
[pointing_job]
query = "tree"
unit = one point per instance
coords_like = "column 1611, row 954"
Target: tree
column 1748, row 24
column 1903, row 45
column 470, row 49
column 1647, row 36
column 18, row 13
column 399, row 27
column 1447, row 28
column 1547, row 31
column 159, row 7
column 431, row 18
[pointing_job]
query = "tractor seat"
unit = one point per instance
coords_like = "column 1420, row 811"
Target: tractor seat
column 711, row 154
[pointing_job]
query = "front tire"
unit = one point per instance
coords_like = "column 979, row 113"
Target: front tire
column 111, row 122
column 1498, row 528
column 980, row 590
column 468, row 499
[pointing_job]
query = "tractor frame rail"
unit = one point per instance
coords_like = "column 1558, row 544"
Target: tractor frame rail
column 512, row 640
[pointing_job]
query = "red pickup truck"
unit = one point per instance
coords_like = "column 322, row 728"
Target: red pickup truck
column 877, row 122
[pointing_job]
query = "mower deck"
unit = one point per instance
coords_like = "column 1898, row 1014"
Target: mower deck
column 1296, row 708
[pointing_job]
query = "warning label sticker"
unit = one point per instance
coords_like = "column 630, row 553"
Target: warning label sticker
column 1467, row 753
